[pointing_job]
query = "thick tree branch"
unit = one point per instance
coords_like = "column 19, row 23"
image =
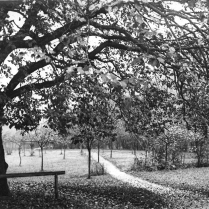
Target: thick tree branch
column 92, row 54
column 24, row 72
column 36, row 86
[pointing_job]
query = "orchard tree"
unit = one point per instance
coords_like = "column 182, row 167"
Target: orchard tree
column 63, row 141
column 171, row 145
column 44, row 43
column 18, row 139
column 44, row 136
column 91, row 116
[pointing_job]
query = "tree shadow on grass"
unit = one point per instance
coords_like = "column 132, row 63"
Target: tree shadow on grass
column 123, row 195
column 81, row 193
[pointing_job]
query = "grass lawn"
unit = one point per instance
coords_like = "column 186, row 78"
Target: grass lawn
column 75, row 191
column 74, row 165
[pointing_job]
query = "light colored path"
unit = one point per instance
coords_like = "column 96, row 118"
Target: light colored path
column 134, row 181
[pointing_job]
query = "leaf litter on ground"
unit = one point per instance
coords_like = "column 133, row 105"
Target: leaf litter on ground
column 98, row 192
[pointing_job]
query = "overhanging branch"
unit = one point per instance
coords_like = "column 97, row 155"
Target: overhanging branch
column 24, row 72
column 36, row 86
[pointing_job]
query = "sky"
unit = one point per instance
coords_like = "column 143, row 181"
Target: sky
column 6, row 130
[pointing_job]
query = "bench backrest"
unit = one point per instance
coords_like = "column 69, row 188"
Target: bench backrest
column 44, row 173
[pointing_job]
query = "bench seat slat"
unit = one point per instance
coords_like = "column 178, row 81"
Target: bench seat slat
column 45, row 173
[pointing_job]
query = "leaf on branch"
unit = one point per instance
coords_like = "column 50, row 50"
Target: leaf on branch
column 104, row 78
column 171, row 50
column 123, row 84
column 161, row 60
column 48, row 59
column 80, row 70
column 81, row 3
column 70, row 69
column 139, row 19
column 113, row 77
column 86, row 68
column 96, row 7
column 131, row 80
column 191, row 3
column 138, row 60
column 154, row 62
column 70, row 53
column 82, row 19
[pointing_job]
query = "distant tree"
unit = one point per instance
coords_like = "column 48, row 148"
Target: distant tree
column 44, row 136
column 8, row 145
column 63, row 140
column 18, row 140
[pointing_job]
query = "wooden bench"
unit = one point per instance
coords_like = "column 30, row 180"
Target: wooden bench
column 44, row 173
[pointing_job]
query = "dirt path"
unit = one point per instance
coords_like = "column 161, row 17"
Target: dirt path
column 134, row 181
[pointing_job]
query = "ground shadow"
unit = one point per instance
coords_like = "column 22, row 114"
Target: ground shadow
column 81, row 193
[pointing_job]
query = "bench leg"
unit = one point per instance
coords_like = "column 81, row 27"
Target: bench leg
column 56, row 185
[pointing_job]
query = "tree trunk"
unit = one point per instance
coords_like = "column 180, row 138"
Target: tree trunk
column 24, row 148
column 31, row 150
column 42, row 159
column 134, row 148
column 81, row 147
column 111, row 148
column 4, row 189
column 146, row 156
column 89, row 162
column 64, row 153
column 98, row 150
column 19, row 148
column 166, row 153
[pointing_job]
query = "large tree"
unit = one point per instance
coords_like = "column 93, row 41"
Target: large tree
column 44, row 43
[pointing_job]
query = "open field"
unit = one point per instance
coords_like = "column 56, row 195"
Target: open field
column 74, row 165
column 196, row 179
column 74, row 189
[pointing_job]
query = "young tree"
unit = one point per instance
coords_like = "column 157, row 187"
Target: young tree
column 64, row 141
column 18, row 139
column 91, row 115
column 44, row 136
